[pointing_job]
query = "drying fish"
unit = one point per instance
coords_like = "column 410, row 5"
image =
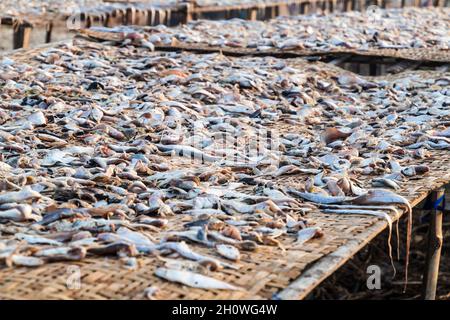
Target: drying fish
column 307, row 234
column 119, row 248
column 62, row 254
column 332, row 134
column 385, row 182
column 228, row 252
column 25, row 194
column 194, row 280
column 399, row 29
column 318, row 198
column 187, row 151
column 20, row 213
column 183, row 249
column 34, row 239
column 24, row 261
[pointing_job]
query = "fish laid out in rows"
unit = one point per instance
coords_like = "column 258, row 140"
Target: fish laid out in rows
column 120, row 151
column 337, row 31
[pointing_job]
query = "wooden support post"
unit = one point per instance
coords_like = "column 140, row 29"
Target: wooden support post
column 261, row 13
column 83, row 18
column 140, row 18
column 323, row 6
column 313, row 7
column 89, row 21
column 107, row 20
column 131, row 16
column 253, row 14
column 21, row 37
column 151, row 17
column 306, row 7
column 187, row 11
column 102, row 18
column 435, row 240
column 233, row 13
column 283, row 10
column 168, row 17
column 161, row 16
column 362, row 5
column 348, row 5
column 273, row 12
column 48, row 32
column 332, row 5
column 144, row 17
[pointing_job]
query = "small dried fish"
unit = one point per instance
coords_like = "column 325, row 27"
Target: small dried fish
column 228, row 251
column 25, row 194
column 307, row 234
column 194, row 280
column 20, row 213
column 62, row 254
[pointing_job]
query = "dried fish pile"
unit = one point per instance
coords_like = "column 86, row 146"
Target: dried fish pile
column 384, row 29
column 105, row 147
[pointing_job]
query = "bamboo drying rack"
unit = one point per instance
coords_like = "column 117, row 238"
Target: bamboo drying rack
column 138, row 13
column 269, row 273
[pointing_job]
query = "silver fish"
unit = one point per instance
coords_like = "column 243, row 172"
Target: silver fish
column 228, row 251
column 307, row 234
column 194, row 280
column 25, row 194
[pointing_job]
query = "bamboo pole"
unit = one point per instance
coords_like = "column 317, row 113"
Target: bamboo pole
column 188, row 12
column 434, row 246
column 253, row 14
column 21, row 36
column 48, row 32
column 130, row 15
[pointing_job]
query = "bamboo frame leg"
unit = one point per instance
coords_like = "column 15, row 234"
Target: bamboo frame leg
column 152, row 16
column 168, row 17
column 253, row 14
column 435, row 240
column 21, row 37
column 187, row 12
column 48, row 32
column 130, row 16
column 89, row 21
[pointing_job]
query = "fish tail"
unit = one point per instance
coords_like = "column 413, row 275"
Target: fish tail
column 390, row 251
column 408, row 244
column 398, row 239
